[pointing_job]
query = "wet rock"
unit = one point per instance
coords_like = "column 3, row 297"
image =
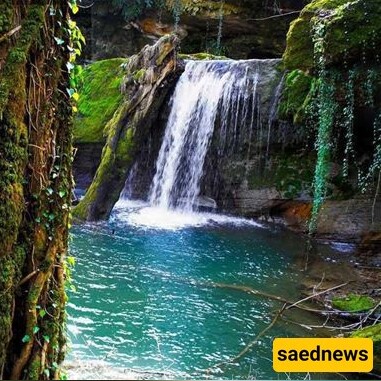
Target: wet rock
column 249, row 28
column 149, row 77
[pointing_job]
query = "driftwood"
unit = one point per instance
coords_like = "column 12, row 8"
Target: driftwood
column 290, row 303
column 285, row 306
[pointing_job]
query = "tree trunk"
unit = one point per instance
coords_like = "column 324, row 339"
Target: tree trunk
column 35, row 186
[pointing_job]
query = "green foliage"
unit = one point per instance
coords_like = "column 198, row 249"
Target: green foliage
column 326, row 108
column 131, row 9
column 366, row 177
column 112, row 163
column 352, row 28
column 373, row 332
column 99, row 97
column 294, row 175
column 203, row 56
column 332, row 52
column 353, row 303
column 295, row 96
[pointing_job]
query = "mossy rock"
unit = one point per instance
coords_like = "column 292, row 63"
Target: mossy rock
column 374, row 333
column 207, row 8
column 295, row 96
column 352, row 28
column 202, row 57
column 99, row 97
column 353, row 303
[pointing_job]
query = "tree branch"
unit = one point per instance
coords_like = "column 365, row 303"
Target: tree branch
column 10, row 33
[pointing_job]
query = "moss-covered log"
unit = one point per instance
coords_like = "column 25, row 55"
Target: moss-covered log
column 149, row 77
column 35, row 186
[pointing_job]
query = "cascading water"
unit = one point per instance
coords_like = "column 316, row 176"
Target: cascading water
column 209, row 95
column 219, row 112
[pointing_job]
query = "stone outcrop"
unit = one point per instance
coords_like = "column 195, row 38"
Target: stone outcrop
column 275, row 181
column 249, row 28
column 148, row 79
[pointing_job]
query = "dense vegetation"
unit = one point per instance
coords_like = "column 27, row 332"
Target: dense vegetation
column 35, row 184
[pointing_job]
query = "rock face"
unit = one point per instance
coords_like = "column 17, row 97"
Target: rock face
column 149, row 77
column 275, row 180
column 349, row 219
column 249, row 29
column 351, row 31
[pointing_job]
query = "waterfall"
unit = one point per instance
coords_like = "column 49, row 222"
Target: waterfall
column 212, row 98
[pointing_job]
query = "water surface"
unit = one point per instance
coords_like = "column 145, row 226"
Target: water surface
column 146, row 298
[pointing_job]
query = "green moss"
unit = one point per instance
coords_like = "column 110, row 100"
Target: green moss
column 293, row 104
column 10, row 273
column 35, row 369
column 290, row 173
column 373, row 332
column 201, row 57
column 113, row 162
column 100, row 96
column 17, row 55
column 209, row 9
column 138, row 75
column 5, row 16
column 351, row 28
column 353, row 303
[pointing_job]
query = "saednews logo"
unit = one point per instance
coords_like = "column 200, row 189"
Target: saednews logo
column 323, row 355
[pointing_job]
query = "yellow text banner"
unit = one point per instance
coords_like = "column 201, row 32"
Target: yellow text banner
column 322, row 355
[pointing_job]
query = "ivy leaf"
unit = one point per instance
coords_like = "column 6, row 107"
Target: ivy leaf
column 36, row 329
column 46, row 338
column 42, row 313
column 75, row 96
column 70, row 67
column 49, row 191
column 62, row 193
column 26, row 339
column 74, row 8
column 59, row 41
column 71, row 261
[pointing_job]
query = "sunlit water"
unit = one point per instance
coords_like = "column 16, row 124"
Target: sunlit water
column 145, row 298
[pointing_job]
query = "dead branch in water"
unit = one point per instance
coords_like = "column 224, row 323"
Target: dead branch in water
column 251, row 344
column 286, row 306
column 291, row 304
